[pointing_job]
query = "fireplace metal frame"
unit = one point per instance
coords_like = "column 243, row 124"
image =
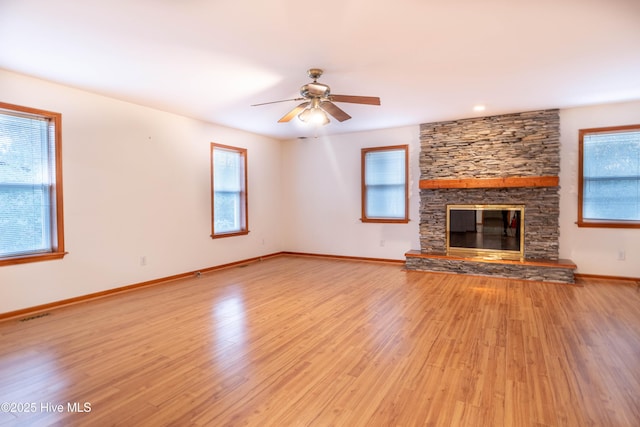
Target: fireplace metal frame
column 483, row 252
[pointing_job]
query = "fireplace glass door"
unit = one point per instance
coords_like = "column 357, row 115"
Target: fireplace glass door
column 488, row 231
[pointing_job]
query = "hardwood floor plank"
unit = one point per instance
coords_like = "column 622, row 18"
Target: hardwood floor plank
column 314, row 341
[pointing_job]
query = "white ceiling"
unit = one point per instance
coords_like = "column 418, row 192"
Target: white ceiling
column 428, row 60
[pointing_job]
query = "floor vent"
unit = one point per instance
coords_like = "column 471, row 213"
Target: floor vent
column 35, row 316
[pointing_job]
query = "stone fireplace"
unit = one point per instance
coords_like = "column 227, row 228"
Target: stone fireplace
column 511, row 159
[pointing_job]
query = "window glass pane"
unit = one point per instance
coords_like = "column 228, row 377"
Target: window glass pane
column 227, row 167
column 385, row 167
column 611, row 176
column 385, row 201
column 27, row 175
column 24, row 220
column 227, row 212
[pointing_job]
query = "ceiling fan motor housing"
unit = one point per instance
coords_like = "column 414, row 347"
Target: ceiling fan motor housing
column 314, row 90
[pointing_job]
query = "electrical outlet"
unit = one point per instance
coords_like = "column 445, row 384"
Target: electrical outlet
column 622, row 255
column 382, row 243
column 143, row 260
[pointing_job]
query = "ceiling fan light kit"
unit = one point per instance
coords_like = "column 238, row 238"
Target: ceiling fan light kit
column 319, row 101
column 314, row 114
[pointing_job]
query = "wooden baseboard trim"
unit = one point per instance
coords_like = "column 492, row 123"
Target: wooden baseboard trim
column 635, row 280
column 30, row 311
column 345, row 257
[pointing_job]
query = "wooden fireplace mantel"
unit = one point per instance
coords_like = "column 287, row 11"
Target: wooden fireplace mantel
column 508, row 182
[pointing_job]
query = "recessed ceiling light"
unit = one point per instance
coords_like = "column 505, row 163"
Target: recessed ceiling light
column 478, row 107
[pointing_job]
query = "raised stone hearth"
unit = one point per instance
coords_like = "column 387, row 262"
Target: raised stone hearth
column 507, row 159
column 560, row 271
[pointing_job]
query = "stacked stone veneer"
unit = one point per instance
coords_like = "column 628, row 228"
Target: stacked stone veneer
column 512, row 145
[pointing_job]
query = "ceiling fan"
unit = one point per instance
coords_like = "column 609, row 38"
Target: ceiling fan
column 318, row 101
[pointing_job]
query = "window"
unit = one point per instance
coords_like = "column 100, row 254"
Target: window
column 31, row 226
column 609, row 177
column 385, row 184
column 229, row 196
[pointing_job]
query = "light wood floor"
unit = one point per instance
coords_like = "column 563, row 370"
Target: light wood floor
column 309, row 341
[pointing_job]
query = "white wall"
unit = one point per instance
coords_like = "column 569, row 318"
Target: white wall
column 137, row 183
column 594, row 250
column 322, row 196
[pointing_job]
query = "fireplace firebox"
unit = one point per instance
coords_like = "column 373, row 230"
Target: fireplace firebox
column 485, row 231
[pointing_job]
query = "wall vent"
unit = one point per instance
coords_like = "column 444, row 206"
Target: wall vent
column 35, row 316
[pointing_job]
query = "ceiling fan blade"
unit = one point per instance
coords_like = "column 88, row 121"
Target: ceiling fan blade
column 369, row 100
column 275, row 102
column 291, row 114
column 334, row 110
